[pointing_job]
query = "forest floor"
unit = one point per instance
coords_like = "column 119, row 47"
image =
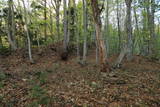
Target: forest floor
column 51, row 82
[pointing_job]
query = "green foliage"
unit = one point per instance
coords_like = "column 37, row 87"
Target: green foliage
column 42, row 77
column 40, row 95
column 1, row 84
column 4, row 50
column 37, row 92
column 2, row 76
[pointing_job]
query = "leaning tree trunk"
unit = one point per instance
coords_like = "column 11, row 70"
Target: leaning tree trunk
column 127, row 50
column 100, row 42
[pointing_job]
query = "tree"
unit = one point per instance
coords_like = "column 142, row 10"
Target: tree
column 84, row 30
column 56, row 5
column 118, row 25
column 27, row 32
column 45, row 19
column 129, row 29
column 11, row 25
column 127, row 49
column 100, row 42
column 65, row 42
column 106, row 26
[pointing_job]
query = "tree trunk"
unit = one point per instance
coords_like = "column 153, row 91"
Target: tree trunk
column 136, row 42
column 84, row 30
column 27, row 33
column 106, row 26
column 51, row 24
column 152, row 30
column 1, row 43
column 57, row 20
column 128, row 47
column 118, row 24
column 11, row 26
column 100, row 42
column 65, row 43
column 45, row 18
column 129, row 29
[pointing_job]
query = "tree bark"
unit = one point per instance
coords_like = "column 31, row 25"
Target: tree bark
column 129, row 29
column 84, row 31
column 127, row 50
column 27, row 33
column 57, row 10
column 118, row 25
column 65, row 42
column 100, row 42
column 45, row 18
column 11, row 26
column 106, row 27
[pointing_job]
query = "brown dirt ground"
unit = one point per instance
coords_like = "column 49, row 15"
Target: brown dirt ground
column 68, row 84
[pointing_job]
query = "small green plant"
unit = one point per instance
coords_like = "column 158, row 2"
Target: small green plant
column 2, row 76
column 42, row 77
column 37, row 92
column 40, row 95
column 1, row 84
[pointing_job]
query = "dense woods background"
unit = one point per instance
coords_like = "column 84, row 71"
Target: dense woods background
column 130, row 24
column 96, row 33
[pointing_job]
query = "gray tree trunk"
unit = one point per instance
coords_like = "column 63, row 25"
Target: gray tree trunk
column 106, row 27
column 27, row 32
column 65, row 43
column 127, row 50
column 57, row 10
column 1, row 43
column 11, row 26
column 129, row 29
column 137, row 42
column 45, row 18
column 84, row 31
column 118, row 24
column 152, row 30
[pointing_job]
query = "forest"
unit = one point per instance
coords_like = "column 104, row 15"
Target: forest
column 79, row 53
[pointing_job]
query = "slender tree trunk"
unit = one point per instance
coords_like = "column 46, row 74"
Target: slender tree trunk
column 11, row 26
column 51, row 24
column 158, row 26
column 136, row 42
column 57, row 21
column 97, row 50
column 128, row 47
column 84, row 31
column 152, row 30
column 129, row 29
column 45, row 18
column 1, row 43
column 106, row 26
column 27, row 32
column 118, row 24
column 65, row 43
column 77, row 31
